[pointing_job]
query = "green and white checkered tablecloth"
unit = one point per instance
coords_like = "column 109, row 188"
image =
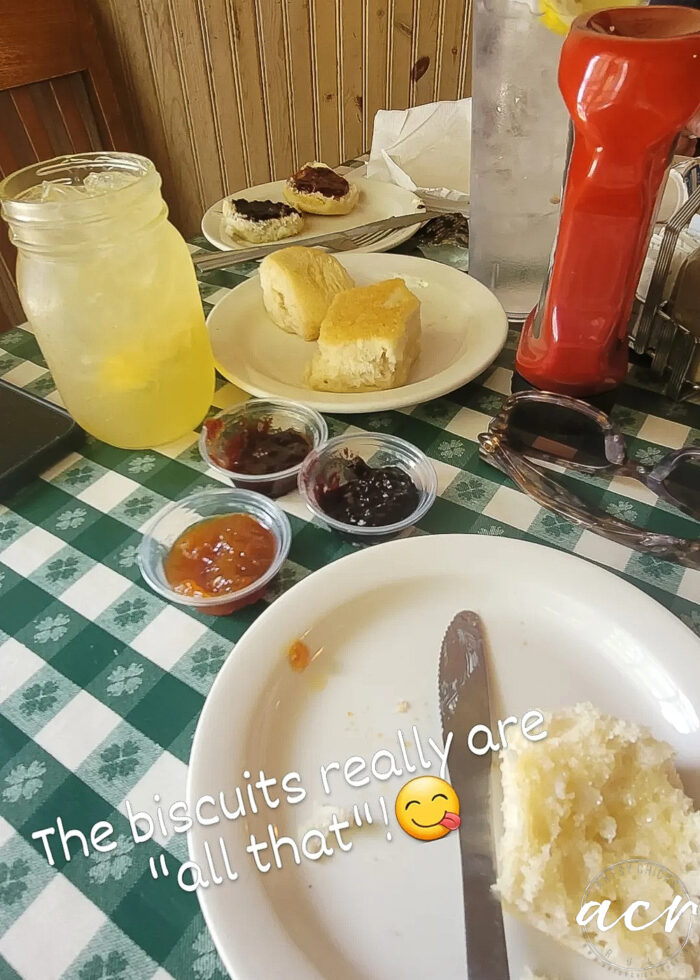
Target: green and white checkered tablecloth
column 102, row 682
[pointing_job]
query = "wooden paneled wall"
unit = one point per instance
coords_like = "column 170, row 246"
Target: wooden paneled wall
column 222, row 94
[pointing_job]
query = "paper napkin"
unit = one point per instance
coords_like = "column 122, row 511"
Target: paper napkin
column 425, row 149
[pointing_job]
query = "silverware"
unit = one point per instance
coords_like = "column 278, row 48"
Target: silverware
column 358, row 237
column 654, row 327
column 464, row 702
column 642, row 330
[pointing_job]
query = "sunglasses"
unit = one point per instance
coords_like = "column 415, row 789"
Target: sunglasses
column 560, row 430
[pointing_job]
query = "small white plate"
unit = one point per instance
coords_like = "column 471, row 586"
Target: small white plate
column 560, row 630
column 464, row 328
column 378, row 200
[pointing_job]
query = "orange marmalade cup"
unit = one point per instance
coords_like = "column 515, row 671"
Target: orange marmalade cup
column 630, row 78
column 109, row 288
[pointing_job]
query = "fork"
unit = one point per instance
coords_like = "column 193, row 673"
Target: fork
column 341, row 242
column 349, row 242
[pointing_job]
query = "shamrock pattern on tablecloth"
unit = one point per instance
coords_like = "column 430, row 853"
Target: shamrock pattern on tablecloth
column 51, row 628
column 130, row 612
column 62, row 569
column 38, row 699
column 138, row 506
column 191, row 455
column 653, row 568
column 43, row 695
column 289, row 575
column 382, row 422
column 207, row 661
column 24, row 782
column 489, row 402
column 438, row 412
column 656, row 568
column 623, row 509
column 8, row 362
column 556, row 527
column 451, row 449
column 206, row 964
column 112, row 864
column 649, row 455
column 8, row 528
column 79, row 475
column 125, row 680
column 626, row 419
column 113, row 966
column 470, row 490
column 119, row 760
column 71, row 518
column 42, row 386
column 128, row 557
column 141, row 464
column 13, row 882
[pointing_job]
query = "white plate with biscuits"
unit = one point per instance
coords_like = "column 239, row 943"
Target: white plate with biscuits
column 463, row 329
column 375, row 201
column 560, row 630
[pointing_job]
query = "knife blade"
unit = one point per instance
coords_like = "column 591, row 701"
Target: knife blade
column 464, row 702
column 221, row 259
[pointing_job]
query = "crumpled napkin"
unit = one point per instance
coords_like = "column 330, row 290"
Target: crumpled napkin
column 425, row 149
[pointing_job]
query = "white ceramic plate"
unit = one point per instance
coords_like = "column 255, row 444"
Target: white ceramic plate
column 464, row 328
column 560, row 630
column 378, row 200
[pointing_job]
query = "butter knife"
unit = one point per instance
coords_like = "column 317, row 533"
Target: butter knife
column 221, row 259
column 464, row 702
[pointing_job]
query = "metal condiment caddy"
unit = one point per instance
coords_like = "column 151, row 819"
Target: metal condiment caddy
column 666, row 326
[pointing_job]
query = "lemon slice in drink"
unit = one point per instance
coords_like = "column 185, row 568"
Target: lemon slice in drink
column 558, row 15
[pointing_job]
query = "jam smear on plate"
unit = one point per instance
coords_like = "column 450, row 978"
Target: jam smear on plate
column 298, row 655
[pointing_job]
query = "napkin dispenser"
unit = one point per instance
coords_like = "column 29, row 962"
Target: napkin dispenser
column 630, row 78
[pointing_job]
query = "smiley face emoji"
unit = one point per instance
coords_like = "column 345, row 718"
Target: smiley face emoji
column 427, row 808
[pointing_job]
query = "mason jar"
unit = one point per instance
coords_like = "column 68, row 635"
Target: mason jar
column 110, row 291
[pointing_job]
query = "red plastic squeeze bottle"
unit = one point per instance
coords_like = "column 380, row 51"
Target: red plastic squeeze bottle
column 630, row 77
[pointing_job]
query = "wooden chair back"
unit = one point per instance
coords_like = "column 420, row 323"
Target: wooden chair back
column 56, row 97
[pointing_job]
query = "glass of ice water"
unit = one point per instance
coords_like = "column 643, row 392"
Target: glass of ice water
column 519, row 135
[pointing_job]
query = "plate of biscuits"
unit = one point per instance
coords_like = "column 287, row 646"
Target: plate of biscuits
column 314, row 201
column 355, row 332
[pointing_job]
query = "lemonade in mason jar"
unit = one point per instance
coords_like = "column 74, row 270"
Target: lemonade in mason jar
column 109, row 288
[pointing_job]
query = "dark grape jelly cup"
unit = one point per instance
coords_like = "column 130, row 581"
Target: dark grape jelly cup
column 323, row 468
